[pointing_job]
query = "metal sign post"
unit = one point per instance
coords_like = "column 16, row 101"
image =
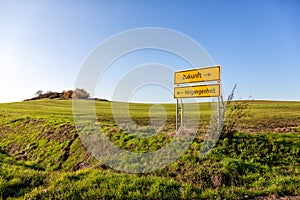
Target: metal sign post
column 182, row 113
column 219, row 111
column 219, row 114
column 176, row 114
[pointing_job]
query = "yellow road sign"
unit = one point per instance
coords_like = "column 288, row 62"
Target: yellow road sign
column 197, row 91
column 198, row 75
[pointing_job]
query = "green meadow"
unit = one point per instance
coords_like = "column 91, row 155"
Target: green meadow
column 42, row 156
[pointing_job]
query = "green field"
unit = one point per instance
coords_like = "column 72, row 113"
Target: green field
column 42, row 157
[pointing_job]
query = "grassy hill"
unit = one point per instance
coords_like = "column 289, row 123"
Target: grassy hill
column 42, row 157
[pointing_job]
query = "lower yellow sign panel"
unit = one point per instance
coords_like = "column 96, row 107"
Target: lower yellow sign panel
column 197, row 91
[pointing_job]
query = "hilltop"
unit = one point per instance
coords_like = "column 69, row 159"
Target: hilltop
column 78, row 93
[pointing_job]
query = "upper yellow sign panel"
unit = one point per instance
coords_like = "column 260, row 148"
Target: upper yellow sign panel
column 198, row 75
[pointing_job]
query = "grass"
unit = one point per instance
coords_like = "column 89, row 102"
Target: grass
column 42, row 157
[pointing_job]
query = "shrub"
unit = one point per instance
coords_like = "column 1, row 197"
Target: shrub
column 235, row 112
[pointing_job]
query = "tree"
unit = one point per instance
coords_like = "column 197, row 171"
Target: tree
column 38, row 93
column 80, row 93
column 67, row 94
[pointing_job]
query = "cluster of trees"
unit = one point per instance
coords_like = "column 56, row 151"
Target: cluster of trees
column 78, row 93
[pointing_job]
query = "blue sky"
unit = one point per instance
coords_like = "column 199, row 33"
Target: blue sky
column 44, row 43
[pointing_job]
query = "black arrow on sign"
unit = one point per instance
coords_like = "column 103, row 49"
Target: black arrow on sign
column 207, row 74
